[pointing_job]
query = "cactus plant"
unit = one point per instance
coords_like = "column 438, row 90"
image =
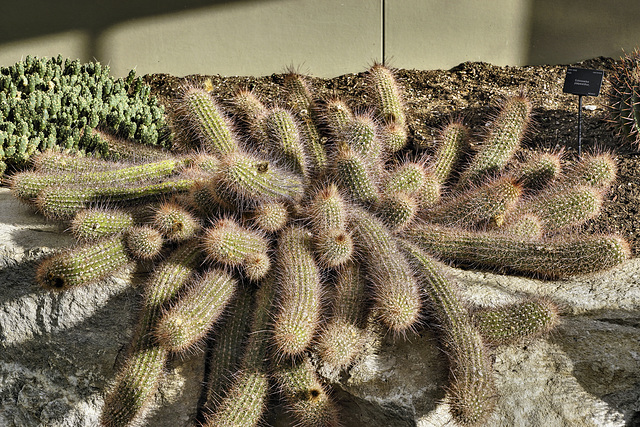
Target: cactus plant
column 316, row 248
column 57, row 102
column 624, row 98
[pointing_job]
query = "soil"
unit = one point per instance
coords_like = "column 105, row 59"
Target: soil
column 472, row 91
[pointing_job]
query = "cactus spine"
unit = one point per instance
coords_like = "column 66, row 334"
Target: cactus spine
column 624, row 98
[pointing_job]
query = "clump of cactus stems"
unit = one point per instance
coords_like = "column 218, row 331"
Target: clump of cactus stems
column 48, row 103
column 624, row 98
column 291, row 227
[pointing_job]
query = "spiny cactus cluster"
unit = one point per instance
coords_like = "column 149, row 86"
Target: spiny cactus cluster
column 47, row 103
column 624, row 98
column 296, row 229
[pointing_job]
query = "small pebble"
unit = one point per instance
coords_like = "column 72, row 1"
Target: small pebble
column 590, row 107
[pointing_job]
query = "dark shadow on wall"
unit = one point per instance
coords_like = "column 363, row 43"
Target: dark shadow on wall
column 27, row 19
column 566, row 31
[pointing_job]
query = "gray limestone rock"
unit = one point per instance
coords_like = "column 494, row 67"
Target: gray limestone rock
column 59, row 352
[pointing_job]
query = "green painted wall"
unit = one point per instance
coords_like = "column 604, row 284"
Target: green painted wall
column 321, row 37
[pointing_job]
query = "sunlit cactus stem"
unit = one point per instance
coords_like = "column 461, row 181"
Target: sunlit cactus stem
column 471, row 392
column 96, row 223
column 453, row 139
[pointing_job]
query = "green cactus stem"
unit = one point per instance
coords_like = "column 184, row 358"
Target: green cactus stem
column 228, row 346
column 253, row 180
column 471, row 391
column 82, row 265
column 230, row 244
column 355, row 175
column 96, row 223
column 336, row 116
column 303, row 106
column 285, row 141
column 398, row 210
column 396, row 297
column 564, row 256
column 306, row 399
column 561, row 208
column 516, row 322
column 143, row 242
column 205, row 118
column 453, row 139
column 187, row 322
column 488, row 203
column 327, row 213
column 342, row 338
column 298, row 313
column 62, row 203
column 595, row 170
column 56, row 161
column 27, row 185
column 270, row 216
column 502, row 141
column 386, row 95
column 624, row 98
column 243, row 405
column 175, row 222
column 137, row 381
column 537, row 171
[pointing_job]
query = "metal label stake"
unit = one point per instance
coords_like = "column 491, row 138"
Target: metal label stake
column 582, row 82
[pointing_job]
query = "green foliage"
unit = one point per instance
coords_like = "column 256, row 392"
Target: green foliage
column 50, row 103
column 318, row 238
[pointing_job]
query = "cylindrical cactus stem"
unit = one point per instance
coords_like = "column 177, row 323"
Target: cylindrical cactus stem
column 143, row 242
column 595, row 170
column 245, row 401
column 27, row 185
column 227, row 347
column 561, row 208
column 96, row 223
column 471, row 392
column 114, row 147
column 360, row 134
column 245, row 179
column 303, row 106
column 502, row 141
column 396, row 296
column 304, row 395
column 342, row 338
column 386, row 95
column 54, row 161
column 126, row 403
column 453, row 140
column 327, row 212
column 394, row 137
column 355, row 176
column 537, row 171
column 175, row 222
column 397, row 210
column 336, row 116
column 247, row 107
column 285, row 141
column 62, row 203
column 230, row 244
column 562, row 256
column 516, row 322
column 270, row 216
column 299, row 289
column 207, row 120
column 624, row 98
column 485, row 204
column 412, row 178
column 187, row 322
column 138, row 381
column 82, row 265
column 527, row 226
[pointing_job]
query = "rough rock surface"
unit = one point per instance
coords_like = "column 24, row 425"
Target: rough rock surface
column 58, row 352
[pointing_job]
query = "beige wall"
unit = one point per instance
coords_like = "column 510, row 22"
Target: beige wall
column 322, row 37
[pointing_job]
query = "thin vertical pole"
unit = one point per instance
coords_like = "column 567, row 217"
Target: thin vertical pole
column 579, row 125
column 382, row 30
